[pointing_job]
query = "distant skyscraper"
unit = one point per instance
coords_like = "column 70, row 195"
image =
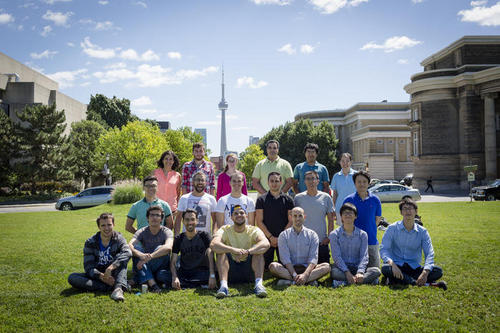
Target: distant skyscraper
column 253, row 140
column 203, row 133
column 223, row 107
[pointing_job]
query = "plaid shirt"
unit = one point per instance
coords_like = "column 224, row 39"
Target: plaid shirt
column 190, row 168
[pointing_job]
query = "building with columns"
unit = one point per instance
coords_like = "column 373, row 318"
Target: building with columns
column 376, row 134
column 455, row 113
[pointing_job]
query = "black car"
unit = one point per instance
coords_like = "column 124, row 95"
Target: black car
column 488, row 192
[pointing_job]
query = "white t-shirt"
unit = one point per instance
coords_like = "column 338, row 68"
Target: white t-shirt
column 204, row 206
column 227, row 202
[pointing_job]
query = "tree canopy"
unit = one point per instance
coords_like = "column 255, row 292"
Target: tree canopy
column 249, row 159
column 110, row 112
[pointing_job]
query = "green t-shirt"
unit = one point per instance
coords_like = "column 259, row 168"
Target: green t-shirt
column 265, row 167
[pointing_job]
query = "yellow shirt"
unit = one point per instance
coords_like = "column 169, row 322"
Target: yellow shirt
column 241, row 240
column 265, row 167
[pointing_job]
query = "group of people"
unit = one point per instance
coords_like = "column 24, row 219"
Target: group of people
column 187, row 238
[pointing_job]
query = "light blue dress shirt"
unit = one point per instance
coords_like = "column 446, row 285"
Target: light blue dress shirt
column 349, row 250
column 343, row 185
column 298, row 248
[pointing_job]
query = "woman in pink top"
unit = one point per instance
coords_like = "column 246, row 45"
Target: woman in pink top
column 223, row 186
column 169, row 180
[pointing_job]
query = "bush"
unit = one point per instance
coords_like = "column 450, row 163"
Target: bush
column 127, row 193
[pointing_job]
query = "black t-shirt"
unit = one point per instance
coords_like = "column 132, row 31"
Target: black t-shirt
column 193, row 251
column 275, row 211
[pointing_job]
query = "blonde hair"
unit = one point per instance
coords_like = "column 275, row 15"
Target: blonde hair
column 227, row 157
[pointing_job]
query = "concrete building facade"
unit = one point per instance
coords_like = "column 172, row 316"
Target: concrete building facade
column 376, row 134
column 455, row 113
column 21, row 86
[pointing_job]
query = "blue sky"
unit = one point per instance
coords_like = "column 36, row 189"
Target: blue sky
column 280, row 57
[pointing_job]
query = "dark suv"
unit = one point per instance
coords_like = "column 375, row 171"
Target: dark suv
column 488, row 192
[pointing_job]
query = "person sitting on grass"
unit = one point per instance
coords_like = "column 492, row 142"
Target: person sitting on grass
column 105, row 259
column 350, row 252
column 401, row 251
column 197, row 260
column 298, row 251
column 247, row 245
column 151, row 247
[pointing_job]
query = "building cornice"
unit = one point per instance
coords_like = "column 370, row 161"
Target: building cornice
column 381, row 134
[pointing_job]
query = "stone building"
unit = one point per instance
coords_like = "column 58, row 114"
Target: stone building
column 21, row 86
column 376, row 134
column 455, row 113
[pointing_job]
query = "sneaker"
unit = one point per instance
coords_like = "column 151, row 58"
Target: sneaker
column 260, row 291
column 222, row 292
column 284, row 283
column 313, row 283
column 338, row 283
column 155, row 289
column 440, row 284
column 117, row 295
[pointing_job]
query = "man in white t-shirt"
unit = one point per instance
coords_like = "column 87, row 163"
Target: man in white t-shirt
column 235, row 198
column 203, row 203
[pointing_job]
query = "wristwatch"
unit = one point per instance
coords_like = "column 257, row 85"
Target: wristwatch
column 212, row 276
column 294, row 274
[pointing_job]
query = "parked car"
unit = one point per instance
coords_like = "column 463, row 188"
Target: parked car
column 375, row 182
column 488, row 192
column 92, row 196
column 407, row 180
column 394, row 192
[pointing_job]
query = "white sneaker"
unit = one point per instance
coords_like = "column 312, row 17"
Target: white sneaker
column 117, row 295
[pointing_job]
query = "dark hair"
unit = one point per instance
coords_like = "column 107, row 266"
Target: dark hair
column 361, row 173
column 273, row 141
column 227, row 157
column 198, row 145
column 274, row 173
column 311, row 146
column 236, row 174
column 311, row 172
column 105, row 216
column 349, row 206
column 188, row 211
column 346, row 155
column 155, row 208
column 237, row 207
column 199, row 173
column 149, row 178
column 165, row 153
column 407, row 201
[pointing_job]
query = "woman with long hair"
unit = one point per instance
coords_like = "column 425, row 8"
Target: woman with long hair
column 223, row 186
column 169, row 180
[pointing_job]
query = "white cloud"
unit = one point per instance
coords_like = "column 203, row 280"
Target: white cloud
column 272, row 2
column 96, row 51
column 28, row 5
column 66, row 79
column 131, row 54
column 45, row 54
column 392, row 44
column 57, row 18
column 141, row 101
column 20, row 27
column 306, row 48
column 478, row 3
column 116, row 65
column 149, row 55
column 332, row 6
column 146, row 111
column 403, row 61
column 103, row 2
column 141, row 3
column 417, row 1
column 46, row 30
column 174, row 55
column 114, row 75
column 250, row 82
column 484, row 16
column 70, row 44
column 51, row 2
column 287, row 48
column 100, row 26
column 85, row 84
column 6, row 18
column 193, row 73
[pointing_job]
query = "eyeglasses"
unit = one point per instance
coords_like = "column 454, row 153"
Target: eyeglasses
column 156, row 215
column 408, row 208
column 348, row 213
column 312, row 178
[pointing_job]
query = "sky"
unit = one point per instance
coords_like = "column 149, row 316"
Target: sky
column 280, row 57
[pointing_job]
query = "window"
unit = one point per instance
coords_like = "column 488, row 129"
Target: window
column 391, row 142
column 380, row 142
column 402, row 142
column 415, row 114
column 415, row 143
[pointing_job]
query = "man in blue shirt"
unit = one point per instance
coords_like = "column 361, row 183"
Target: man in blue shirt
column 342, row 184
column 369, row 213
column 401, row 251
column 311, row 150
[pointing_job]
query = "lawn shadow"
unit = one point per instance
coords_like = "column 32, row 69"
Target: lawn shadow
column 68, row 292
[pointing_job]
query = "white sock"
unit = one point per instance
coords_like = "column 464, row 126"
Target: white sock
column 258, row 281
column 223, row 283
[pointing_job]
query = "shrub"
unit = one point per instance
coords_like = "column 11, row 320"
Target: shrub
column 127, row 193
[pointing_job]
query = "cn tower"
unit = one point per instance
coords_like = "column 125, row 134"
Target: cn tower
column 223, row 107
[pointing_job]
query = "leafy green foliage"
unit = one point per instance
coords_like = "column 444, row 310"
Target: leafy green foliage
column 7, row 148
column 110, row 112
column 83, row 158
column 41, row 145
column 133, row 149
column 293, row 136
column 249, row 159
column 127, row 193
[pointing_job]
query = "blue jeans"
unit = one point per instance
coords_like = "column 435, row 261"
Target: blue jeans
column 85, row 282
column 157, row 269
column 411, row 275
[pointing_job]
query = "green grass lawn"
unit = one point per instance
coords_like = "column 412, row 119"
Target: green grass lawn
column 39, row 250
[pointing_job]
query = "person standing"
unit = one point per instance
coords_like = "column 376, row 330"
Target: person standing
column 169, row 180
column 342, row 183
column 311, row 151
column 429, row 185
column 227, row 203
column 198, row 164
column 224, row 178
column 272, row 163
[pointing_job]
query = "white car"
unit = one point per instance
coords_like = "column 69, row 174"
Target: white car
column 93, row 196
column 394, row 192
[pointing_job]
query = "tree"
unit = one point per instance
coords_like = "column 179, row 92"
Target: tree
column 7, row 147
column 248, row 160
column 41, row 147
column 83, row 158
column 293, row 136
column 110, row 112
column 133, row 149
column 181, row 146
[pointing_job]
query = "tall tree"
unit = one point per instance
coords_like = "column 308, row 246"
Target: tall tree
column 7, row 148
column 83, row 157
column 41, row 150
column 110, row 112
column 133, row 149
column 248, row 159
column 293, row 136
column 180, row 145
